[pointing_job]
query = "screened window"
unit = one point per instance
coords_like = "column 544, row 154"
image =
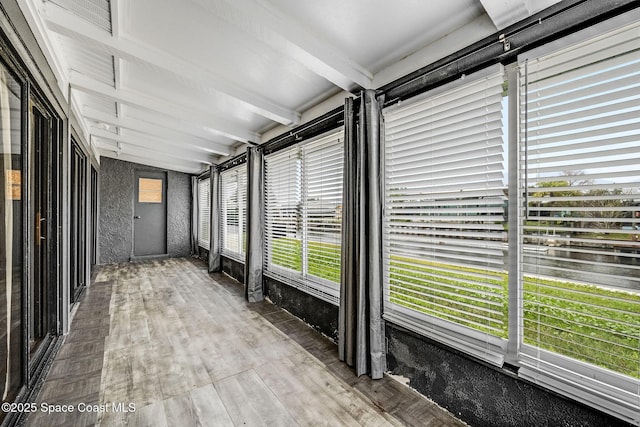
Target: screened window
column 233, row 222
column 580, row 245
column 445, row 203
column 303, row 201
column 576, row 270
column 204, row 212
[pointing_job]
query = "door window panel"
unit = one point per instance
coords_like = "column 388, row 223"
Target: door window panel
column 150, row 190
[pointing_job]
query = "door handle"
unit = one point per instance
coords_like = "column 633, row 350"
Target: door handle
column 136, row 217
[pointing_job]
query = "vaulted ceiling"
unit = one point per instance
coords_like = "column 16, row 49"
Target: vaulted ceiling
column 184, row 84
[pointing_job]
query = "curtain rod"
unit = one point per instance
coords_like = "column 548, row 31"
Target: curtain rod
column 234, row 161
column 317, row 126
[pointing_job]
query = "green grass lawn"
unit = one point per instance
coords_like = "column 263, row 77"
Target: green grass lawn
column 323, row 258
column 588, row 323
column 467, row 296
column 287, row 252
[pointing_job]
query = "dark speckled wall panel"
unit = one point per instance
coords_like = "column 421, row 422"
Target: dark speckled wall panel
column 116, row 210
column 319, row 314
column 479, row 394
column 232, row 268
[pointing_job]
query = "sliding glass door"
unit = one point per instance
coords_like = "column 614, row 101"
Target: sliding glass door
column 11, row 234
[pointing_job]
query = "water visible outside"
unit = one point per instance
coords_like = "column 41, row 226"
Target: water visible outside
column 600, row 265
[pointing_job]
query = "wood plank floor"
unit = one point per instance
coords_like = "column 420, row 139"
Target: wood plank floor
column 184, row 349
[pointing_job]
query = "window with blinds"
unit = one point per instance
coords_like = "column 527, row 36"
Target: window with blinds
column 303, row 214
column 233, row 220
column 580, row 151
column 204, row 212
column 444, row 223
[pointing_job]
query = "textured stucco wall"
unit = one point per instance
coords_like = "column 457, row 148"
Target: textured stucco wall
column 178, row 214
column 115, row 225
column 479, row 394
column 115, row 228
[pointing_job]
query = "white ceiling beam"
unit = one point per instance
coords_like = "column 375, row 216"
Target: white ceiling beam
column 75, row 109
column 117, row 72
column 148, row 153
column 153, row 130
column 144, row 157
column 116, row 18
column 186, row 167
column 267, row 24
column 136, row 99
column 116, row 24
column 65, row 23
column 163, row 148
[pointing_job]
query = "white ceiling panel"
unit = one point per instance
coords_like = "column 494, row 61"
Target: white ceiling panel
column 85, row 60
column 97, row 12
column 149, row 158
column 96, row 102
column 187, row 130
column 507, row 12
column 225, row 51
column 178, row 83
column 375, row 33
column 188, row 92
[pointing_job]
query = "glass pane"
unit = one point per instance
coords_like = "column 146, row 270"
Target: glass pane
column 150, row 190
column 242, row 196
column 10, row 235
column 283, row 214
column 446, row 204
column 581, row 258
column 231, row 213
column 323, row 164
column 204, row 214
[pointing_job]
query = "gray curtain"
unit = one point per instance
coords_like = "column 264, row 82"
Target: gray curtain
column 255, row 226
column 214, row 216
column 194, row 215
column 361, row 329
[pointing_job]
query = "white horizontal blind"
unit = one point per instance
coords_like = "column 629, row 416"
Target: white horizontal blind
column 303, row 208
column 242, row 198
column 445, row 208
column 204, row 212
column 323, row 173
column 283, row 212
column 580, row 235
column 229, row 212
column 233, row 211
